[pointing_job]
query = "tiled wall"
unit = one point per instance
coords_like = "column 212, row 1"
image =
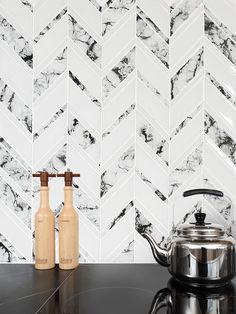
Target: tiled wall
column 138, row 96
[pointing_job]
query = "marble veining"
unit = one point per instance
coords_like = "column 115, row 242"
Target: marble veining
column 12, row 102
column 185, row 170
column 220, row 137
column 152, row 25
column 143, row 225
column 50, row 122
column 118, row 73
column 151, row 185
column 86, row 206
column 222, row 89
column 85, row 41
column 28, row 5
column 15, row 203
column 84, row 89
column 221, row 40
column 187, row 73
column 16, row 41
column 8, row 253
column 83, row 138
column 152, row 41
column 50, row 25
column 121, row 214
column 152, row 138
column 117, row 171
column 220, row 24
column 222, row 204
column 97, row 5
column 118, row 121
column 127, row 254
column 10, row 149
column 48, row 76
column 181, row 13
column 183, row 124
column 152, row 88
column 115, row 11
column 15, row 170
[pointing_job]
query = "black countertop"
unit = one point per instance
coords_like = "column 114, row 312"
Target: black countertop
column 105, row 289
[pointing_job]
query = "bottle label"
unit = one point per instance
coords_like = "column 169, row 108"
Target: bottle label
column 41, row 260
column 66, row 260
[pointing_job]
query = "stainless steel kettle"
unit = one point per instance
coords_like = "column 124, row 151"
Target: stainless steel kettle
column 200, row 253
column 179, row 298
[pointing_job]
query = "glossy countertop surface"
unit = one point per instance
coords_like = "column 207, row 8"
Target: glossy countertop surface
column 104, row 289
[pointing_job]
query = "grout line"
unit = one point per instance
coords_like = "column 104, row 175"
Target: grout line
column 101, row 131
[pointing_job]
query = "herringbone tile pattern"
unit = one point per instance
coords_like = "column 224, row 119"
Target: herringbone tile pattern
column 138, row 96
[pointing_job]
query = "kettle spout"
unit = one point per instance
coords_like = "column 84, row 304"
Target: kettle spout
column 162, row 256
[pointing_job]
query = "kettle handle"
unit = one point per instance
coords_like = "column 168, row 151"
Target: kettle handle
column 203, row 191
column 161, row 299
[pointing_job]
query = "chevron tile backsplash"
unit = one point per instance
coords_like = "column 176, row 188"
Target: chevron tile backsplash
column 139, row 96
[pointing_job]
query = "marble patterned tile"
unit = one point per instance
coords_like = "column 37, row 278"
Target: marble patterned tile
column 10, row 149
column 221, row 25
column 48, row 76
column 50, row 122
column 143, row 225
column 174, row 4
column 118, row 121
column 116, row 10
column 186, row 169
column 15, row 203
column 152, row 88
column 152, row 41
column 97, row 5
column 28, row 5
column 151, row 185
column 50, row 25
column 13, row 103
column 85, row 41
column 221, row 40
column 152, row 138
column 84, row 89
column 185, row 122
column 223, row 204
column 127, row 254
column 119, row 217
column 15, row 170
column 152, row 25
column 181, row 13
column 187, row 73
column 118, row 73
column 8, row 254
column 83, row 138
column 86, row 206
column 231, row 97
column 117, row 171
column 220, row 137
column 16, row 41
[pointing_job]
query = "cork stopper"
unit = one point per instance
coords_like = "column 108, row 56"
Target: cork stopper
column 44, row 175
column 68, row 176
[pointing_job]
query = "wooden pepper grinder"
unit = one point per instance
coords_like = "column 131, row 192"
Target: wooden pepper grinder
column 44, row 227
column 68, row 226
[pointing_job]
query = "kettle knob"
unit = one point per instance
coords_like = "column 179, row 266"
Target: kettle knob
column 200, row 218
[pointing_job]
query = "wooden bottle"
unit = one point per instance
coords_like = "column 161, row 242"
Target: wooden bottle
column 44, row 227
column 68, row 227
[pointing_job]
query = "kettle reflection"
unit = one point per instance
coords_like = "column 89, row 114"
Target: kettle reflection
column 178, row 299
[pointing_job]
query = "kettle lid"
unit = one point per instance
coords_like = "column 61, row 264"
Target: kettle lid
column 201, row 229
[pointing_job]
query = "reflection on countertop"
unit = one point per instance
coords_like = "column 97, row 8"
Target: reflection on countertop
column 107, row 289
